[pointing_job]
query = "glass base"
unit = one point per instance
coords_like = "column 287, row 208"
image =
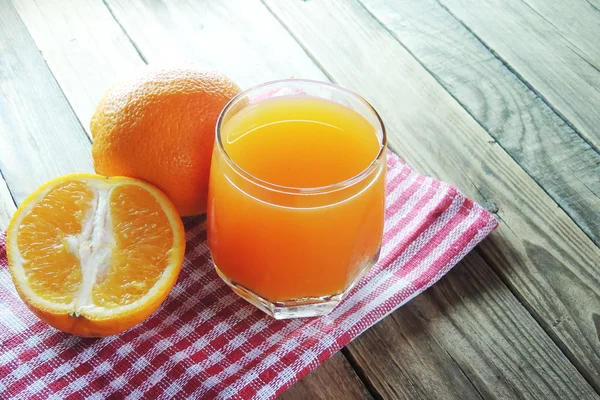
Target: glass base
column 296, row 308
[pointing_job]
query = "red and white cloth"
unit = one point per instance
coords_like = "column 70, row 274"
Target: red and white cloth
column 205, row 342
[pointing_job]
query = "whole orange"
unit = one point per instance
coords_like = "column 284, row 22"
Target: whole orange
column 159, row 126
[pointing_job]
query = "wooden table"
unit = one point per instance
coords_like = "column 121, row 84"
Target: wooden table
column 502, row 99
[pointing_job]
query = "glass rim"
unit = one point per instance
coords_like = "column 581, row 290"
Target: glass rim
column 301, row 190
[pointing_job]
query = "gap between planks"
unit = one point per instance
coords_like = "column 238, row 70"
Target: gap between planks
column 566, row 79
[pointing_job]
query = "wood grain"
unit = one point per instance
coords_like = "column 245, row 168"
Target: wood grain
column 41, row 137
column 334, row 379
column 239, row 38
column 7, row 206
column 542, row 56
column 554, row 155
column 547, row 261
column 84, row 47
column 87, row 49
column 432, row 348
column 578, row 23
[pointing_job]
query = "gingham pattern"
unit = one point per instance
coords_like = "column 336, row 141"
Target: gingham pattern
column 205, row 342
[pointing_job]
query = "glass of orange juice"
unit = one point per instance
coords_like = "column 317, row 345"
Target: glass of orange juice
column 296, row 196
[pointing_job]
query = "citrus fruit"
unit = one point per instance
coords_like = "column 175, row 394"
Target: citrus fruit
column 94, row 256
column 159, row 126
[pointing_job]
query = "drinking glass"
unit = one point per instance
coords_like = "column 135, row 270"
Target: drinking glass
column 295, row 251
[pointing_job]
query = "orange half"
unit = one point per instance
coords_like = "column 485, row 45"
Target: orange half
column 94, row 256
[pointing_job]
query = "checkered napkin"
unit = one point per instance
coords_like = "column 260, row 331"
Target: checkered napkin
column 206, row 342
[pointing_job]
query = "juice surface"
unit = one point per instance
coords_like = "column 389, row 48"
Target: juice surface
column 283, row 246
column 300, row 141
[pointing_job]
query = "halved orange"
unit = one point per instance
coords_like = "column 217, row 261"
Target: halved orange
column 94, row 256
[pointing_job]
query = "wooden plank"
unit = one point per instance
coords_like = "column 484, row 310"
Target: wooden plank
column 432, row 348
column 558, row 159
column 334, row 379
column 578, row 23
column 239, row 38
column 549, row 263
column 41, row 137
column 87, row 49
column 541, row 55
column 7, row 206
column 84, row 47
column 403, row 358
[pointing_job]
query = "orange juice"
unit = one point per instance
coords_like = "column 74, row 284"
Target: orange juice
column 300, row 141
column 296, row 198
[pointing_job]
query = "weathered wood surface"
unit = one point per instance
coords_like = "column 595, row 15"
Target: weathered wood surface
column 84, row 47
column 39, row 134
column 563, row 73
column 433, row 348
column 239, row 38
column 549, row 263
column 469, row 332
column 547, row 148
column 578, row 22
column 334, row 379
column 86, row 59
